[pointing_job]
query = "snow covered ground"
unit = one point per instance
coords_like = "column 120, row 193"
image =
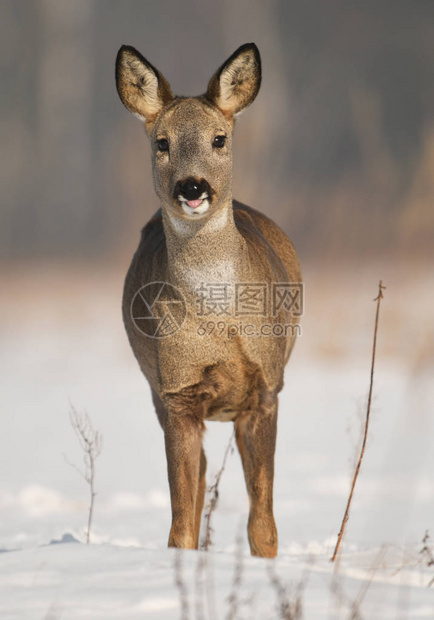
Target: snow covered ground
column 72, row 581
column 63, row 341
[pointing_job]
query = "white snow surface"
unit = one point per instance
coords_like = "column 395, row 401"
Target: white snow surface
column 56, row 353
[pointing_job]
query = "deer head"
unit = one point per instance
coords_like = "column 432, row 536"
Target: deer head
column 191, row 137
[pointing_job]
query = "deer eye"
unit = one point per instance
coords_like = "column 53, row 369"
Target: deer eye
column 219, row 142
column 163, row 144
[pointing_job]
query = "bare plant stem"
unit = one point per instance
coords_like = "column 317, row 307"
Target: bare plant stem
column 233, row 598
column 288, row 607
column 91, row 443
column 199, row 586
column 365, row 435
column 210, row 588
column 182, row 588
column 354, row 606
column 427, row 554
column 214, row 491
column 426, row 550
column 92, row 499
column 366, row 584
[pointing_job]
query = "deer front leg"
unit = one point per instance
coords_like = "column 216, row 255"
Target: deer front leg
column 183, row 438
column 255, row 434
column 200, row 497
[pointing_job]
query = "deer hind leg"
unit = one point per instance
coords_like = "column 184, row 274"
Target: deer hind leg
column 255, row 433
column 185, row 465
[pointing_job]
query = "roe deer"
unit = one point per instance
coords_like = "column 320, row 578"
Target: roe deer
column 203, row 242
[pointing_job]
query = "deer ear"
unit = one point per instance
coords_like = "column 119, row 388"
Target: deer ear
column 142, row 89
column 235, row 85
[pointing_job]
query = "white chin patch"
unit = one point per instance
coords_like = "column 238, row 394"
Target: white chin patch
column 195, row 212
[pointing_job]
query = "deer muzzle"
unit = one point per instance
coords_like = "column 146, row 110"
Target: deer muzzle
column 192, row 191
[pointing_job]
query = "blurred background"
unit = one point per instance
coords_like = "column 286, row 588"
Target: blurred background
column 338, row 149
column 339, row 146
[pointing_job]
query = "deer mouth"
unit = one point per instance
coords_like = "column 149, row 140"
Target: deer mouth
column 195, row 208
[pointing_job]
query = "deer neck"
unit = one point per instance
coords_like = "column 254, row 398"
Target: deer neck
column 206, row 250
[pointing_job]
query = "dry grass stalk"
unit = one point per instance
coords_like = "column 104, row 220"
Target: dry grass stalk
column 354, row 606
column 199, row 584
column 365, row 435
column 214, row 492
column 180, row 584
column 210, row 588
column 427, row 553
column 288, row 609
column 233, row 598
column 357, row 603
column 90, row 442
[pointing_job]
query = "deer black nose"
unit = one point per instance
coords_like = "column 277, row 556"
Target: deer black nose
column 191, row 188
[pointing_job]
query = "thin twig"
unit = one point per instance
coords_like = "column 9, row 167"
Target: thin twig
column 214, row 491
column 91, row 443
column 365, row 436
